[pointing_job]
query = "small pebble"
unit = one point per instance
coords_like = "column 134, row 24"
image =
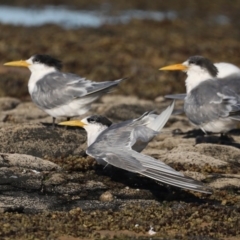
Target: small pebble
column 106, row 197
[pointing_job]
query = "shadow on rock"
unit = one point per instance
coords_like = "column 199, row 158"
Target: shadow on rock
column 201, row 137
column 143, row 187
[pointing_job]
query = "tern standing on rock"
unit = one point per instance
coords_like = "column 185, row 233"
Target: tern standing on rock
column 212, row 101
column 61, row 94
column 120, row 145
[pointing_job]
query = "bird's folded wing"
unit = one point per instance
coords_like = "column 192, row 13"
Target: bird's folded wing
column 211, row 101
column 57, row 89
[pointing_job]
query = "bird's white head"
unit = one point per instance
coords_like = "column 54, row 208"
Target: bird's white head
column 38, row 63
column 43, row 63
column 197, row 68
column 93, row 125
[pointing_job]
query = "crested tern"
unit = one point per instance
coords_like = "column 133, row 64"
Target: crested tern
column 120, row 145
column 60, row 94
column 224, row 69
column 212, row 99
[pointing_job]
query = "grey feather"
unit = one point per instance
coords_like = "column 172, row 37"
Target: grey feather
column 154, row 123
column 158, row 121
column 145, row 165
column 179, row 96
column 57, row 89
column 214, row 99
column 115, row 145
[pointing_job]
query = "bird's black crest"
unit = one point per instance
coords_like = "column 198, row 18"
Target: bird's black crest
column 99, row 119
column 204, row 63
column 48, row 60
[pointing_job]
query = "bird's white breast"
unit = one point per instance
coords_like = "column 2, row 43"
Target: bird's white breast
column 194, row 78
column 73, row 109
column 93, row 131
column 221, row 125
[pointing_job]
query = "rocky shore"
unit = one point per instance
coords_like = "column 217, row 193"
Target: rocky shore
column 50, row 188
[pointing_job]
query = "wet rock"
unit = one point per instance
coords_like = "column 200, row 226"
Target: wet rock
column 55, row 179
column 93, row 185
column 124, row 112
column 70, row 188
column 220, row 152
column 226, row 182
column 26, row 161
column 24, row 112
column 191, row 158
column 40, row 141
column 23, row 171
column 8, row 103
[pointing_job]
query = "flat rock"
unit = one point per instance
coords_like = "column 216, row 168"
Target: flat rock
column 71, row 179
column 39, row 140
column 8, row 103
column 26, row 161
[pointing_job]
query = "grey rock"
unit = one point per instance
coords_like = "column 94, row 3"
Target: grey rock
column 40, row 141
column 55, row 179
column 26, row 161
column 30, row 184
column 8, row 103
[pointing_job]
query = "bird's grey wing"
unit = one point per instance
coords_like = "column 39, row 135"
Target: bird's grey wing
column 157, row 122
column 159, row 171
column 141, row 136
column 153, row 123
column 56, row 89
column 114, row 146
column 211, row 100
column 133, row 161
column 179, row 96
column 135, row 133
column 231, row 90
column 114, row 139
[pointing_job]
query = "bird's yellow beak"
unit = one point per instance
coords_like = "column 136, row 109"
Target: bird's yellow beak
column 174, row 67
column 73, row 123
column 21, row 63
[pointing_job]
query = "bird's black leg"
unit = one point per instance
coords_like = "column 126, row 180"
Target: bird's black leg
column 224, row 137
column 53, row 122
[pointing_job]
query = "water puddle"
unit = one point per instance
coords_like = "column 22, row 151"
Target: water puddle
column 68, row 18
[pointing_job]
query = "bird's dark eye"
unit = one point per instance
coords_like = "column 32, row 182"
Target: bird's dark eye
column 192, row 62
column 90, row 120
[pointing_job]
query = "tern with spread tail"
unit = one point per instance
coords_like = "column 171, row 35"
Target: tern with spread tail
column 120, row 145
column 61, row 94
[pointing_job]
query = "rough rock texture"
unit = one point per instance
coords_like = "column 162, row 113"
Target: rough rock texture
column 45, row 172
column 39, row 140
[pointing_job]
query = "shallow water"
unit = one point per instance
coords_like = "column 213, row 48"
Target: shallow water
column 68, row 18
